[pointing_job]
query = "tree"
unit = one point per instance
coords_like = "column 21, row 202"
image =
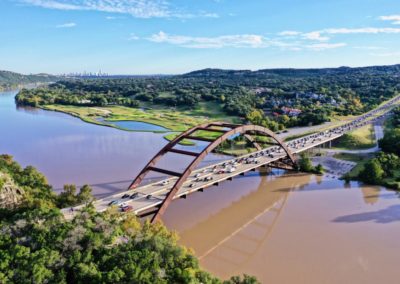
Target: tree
column 305, row 164
column 390, row 143
column 85, row 194
column 68, row 196
column 372, row 172
column 255, row 117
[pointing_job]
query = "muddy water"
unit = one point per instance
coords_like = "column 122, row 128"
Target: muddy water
column 293, row 229
column 68, row 150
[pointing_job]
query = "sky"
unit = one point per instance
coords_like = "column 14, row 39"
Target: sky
column 178, row 36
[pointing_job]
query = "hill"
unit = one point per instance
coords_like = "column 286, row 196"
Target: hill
column 293, row 72
column 10, row 79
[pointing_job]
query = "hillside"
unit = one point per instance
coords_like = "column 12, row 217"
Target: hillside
column 10, row 79
column 293, row 72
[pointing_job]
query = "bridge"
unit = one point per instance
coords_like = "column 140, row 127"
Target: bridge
column 154, row 198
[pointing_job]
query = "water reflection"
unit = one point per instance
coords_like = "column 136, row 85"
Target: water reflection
column 382, row 216
column 370, row 194
column 280, row 227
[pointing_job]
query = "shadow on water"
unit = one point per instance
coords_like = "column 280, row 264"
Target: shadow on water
column 383, row 216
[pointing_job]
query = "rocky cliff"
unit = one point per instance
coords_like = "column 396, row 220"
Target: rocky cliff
column 10, row 194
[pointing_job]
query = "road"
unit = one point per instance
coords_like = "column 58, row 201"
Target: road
column 378, row 129
column 150, row 196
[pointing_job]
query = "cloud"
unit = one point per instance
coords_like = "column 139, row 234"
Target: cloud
column 370, row 47
column 132, row 36
column 245, row 40
column 324, row 46
column 316, row 35
column 395, row 19
column 289, row 33
column 136, row 8
column 66, row 25
column 238, row 41
column 368, row 30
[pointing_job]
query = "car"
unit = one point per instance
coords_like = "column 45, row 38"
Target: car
column 149, row 196
column 232, row 170
column 114, row 202
column 165, row 182
column 197, row 175
column 133, row 196
column 123, row 204
column 125, row 196
column 127, row 208
column 191, row 185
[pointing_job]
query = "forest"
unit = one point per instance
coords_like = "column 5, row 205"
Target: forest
column 264, row 97
column 37, row 245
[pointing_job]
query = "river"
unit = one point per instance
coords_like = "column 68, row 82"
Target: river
column 280, row 227
column 68, row 150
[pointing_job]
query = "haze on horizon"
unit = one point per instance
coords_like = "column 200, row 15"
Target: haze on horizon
column 176, row 36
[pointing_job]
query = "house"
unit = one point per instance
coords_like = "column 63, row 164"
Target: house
column 291, row 111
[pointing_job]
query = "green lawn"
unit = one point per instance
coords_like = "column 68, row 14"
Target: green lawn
column 173, row 119
column 362, row 138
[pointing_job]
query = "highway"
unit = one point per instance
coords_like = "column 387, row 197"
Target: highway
column 143, row 198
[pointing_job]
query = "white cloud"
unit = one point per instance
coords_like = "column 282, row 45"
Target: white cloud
column 324, row 46
column 370, row 47
column 132, row 36
column 289, row 33
column 136, row 8
column 245, row 40
column 316, row 35
column 395, row 19
column 368, row 30
column 66, row 25
column 239, row 41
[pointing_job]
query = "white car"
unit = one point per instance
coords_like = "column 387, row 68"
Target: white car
column 231, row 170
column 165, row 182
column 123, row 204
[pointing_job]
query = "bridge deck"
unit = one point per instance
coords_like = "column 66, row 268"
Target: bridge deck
column 152, row 195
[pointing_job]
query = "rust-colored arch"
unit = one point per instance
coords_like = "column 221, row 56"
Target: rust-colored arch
column 226, row 130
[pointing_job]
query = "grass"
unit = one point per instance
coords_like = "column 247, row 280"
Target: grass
column 362, row 138
column 360, row 159
column 175, row 120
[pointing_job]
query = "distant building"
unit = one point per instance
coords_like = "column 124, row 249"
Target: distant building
column 261, row 90
column 291, row 111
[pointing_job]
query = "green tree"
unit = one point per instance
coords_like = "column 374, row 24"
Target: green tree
column 372, row 172
column 305, row 164
column 85, row 194
column 390, row 143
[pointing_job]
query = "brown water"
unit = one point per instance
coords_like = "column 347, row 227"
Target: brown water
column 279, row 227
column 68, row 150
column 293, row 229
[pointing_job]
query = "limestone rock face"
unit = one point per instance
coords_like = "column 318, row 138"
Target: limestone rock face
column 10, row 195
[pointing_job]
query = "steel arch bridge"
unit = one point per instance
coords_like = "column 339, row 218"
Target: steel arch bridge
column 252, row 133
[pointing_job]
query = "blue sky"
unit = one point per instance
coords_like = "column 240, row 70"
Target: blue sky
column 176, row 36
